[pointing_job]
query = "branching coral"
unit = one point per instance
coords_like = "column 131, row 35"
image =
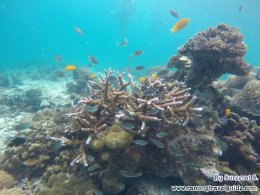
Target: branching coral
column 135, row 107
column 213, row 52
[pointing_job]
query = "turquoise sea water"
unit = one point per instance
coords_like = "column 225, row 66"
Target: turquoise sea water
column 33, row 32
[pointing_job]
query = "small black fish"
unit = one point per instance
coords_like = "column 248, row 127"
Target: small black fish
column 92, row 59
column 16, row 141
column 21, row 126
column 174, row 13
column 137, row 53
column 123, row 43
column 240, row 8
column 139, row 68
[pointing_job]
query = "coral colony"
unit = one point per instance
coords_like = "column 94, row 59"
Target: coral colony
column 128, row 110
column 213, row 52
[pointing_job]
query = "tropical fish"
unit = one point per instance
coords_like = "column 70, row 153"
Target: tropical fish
column 140, row 142
column 91, row 108
column 21, row 126
column 94, row 167
column 240, row 8
column 123, row 43
column 70, row 68
column 223, row 120
column 79, row 31
column 174, row 13
column 136, row 89
column 16, row 141
column 57, row 146
column 159, row 144
column 137, row 53
column 92, row 75
column 163, row 72
column 153, row 111
column 180, row 24
column 57, row 58
column 128, row 125
column 92, row 59
column 227, row 112
column 139, row 68
column 89, row 65
column 142, row 79
column 128, row 69
column 90, row 158
column 112, row 78
column 154, row 76
column 128, row 174
column 161, row 134
column 59, row 74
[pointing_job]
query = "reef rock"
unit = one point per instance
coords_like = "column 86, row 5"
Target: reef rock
column 214, row 52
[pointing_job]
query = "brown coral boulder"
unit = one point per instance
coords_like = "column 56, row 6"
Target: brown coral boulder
column 6, row 180
column 214, row 52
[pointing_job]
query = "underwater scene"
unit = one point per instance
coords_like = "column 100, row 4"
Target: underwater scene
column 129, row 97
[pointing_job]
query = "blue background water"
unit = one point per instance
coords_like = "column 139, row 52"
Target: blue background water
column 33, row 32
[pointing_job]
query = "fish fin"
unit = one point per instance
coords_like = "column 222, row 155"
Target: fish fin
column 172, row 30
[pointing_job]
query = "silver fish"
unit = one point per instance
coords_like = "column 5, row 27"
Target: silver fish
column 91, row 108
column 159, row 144
column 136, row 89
column 94, row 167
column 163, row 72
column 140, row 142
column 127, row 174
column 153, row 111
column 90, row 158
column 161, row 134
column 128, row 125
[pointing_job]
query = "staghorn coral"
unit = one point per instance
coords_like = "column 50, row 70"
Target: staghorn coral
column 116, row 112
column 112, row 100
column 213, row 52
column 6, row 180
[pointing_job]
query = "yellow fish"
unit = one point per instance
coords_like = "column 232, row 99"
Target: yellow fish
column 92, row 76
column 142, row 79
column 154, row 76
column 70, row 68
column 180, row 24
column 227, row 112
